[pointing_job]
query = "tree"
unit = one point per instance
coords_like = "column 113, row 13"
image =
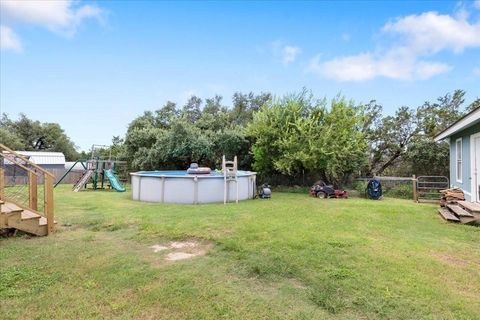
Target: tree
column 213, row 105
column 474, row 105
column 244, row 105
column 171, row 139
column 298, row 133
column 390, row 139
column 426, row 157
column 24, row 133
column 432, row 118
column 165, row 115
column 10, row 139
column 403, row 143
column 192, row 109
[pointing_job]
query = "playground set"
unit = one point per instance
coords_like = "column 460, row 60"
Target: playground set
column 101, row 173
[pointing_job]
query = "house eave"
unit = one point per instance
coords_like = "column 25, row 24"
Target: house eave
column 465, row 122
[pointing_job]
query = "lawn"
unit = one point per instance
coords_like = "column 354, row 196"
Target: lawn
column 291, row 257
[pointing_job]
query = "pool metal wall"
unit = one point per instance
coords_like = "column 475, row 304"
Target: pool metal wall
column 190, row 189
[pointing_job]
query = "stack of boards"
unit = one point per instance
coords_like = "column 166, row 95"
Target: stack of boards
column 454, row 208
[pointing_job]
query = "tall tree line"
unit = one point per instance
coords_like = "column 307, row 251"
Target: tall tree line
column 27, row 134
column 292, row 135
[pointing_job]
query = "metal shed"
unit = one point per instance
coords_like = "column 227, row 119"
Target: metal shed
column 46, row 160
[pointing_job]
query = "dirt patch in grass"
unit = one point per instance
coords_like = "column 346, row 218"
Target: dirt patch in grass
column 174, row 256
column 181, row 250
column 452, row 260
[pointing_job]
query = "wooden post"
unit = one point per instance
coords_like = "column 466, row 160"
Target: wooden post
column 32, row 191
column 49, row 202
column 414, row 182
column 2, row 184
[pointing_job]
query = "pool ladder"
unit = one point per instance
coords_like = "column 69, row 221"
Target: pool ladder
column 230, row 174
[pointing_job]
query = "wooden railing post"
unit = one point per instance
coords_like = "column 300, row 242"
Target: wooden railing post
column 48, row 193
column 414, row 182
column 32, row 191
column 2, row 184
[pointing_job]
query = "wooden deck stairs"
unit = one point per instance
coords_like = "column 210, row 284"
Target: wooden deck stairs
column 461, row 212
column 26, row 194
column 15, row 217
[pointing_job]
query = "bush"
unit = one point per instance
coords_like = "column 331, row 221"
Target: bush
column 291, row 189
column 360, row 187
column 404, row 191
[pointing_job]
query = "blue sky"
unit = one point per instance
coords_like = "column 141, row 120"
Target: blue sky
column 93, row 66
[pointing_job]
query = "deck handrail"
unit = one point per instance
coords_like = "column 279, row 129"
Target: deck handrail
column 2, row 146
column 18, row 164
column 48, row 200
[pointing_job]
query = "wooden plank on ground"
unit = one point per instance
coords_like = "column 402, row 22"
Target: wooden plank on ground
column 459, row 211
column 447, row 215
column 471, row 206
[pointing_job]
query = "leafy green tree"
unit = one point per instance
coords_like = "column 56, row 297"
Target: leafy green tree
column 299, row 133
column 426, row 157
column 24, row 133
column 403, row 143
column 10, row 139
column 165, row 115
column 474, row 105
column 192, row 109
column 391, row 138
column 244, row 105
column 432, row 118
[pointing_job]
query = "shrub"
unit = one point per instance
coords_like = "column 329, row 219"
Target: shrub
column 361, row 186
column 404, row 191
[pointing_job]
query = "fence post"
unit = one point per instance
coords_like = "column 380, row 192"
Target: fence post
column 32, row 191
column 2, row 184
column 49, row 202
column 415, row 196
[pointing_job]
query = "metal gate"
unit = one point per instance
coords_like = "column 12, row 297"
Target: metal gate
column 427, row 188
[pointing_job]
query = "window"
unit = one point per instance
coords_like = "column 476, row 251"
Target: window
column 458, row 162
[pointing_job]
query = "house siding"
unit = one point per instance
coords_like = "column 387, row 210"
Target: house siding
column 466, row 184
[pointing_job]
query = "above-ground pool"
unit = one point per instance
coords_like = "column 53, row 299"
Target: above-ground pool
column 180, row 187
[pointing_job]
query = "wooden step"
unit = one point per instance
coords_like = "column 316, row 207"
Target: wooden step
column 447, row 215
column 29, row 215
column 43, row 221
column 470, row 206
column 36, row 226
column 9, row 207
column 459, row 211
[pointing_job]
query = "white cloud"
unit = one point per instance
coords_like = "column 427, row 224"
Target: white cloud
column 284, row 53
column 9, row 40
column 60, row 16
column 289, row 54
column 476, row 71
column 420, row 36
column 367, row 66
column 431, row 32
column 476, row 4
column 425, row 69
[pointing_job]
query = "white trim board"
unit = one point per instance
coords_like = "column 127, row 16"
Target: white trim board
column 472, row 194
column 461, row 159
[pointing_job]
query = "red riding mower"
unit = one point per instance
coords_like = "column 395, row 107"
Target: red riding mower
column 324, row 191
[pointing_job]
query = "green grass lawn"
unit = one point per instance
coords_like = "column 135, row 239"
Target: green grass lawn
column 291, row 257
